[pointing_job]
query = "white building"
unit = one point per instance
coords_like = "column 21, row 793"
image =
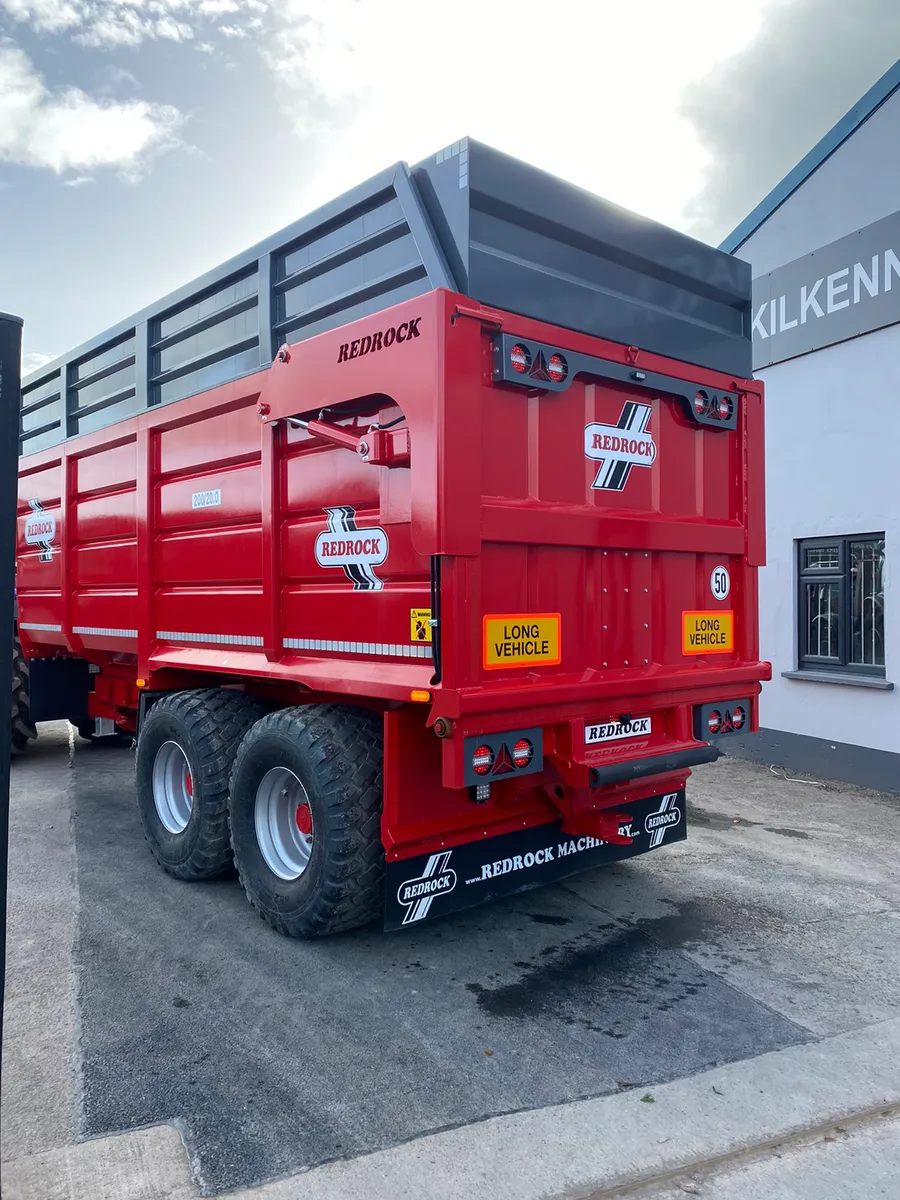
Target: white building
column 825, row 250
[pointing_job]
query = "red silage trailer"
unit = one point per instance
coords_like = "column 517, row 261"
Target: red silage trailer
column 445, row 601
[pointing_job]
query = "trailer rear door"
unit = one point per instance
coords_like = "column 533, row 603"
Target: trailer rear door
column 621, row 518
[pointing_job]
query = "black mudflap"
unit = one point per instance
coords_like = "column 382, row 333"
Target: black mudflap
column 431, row 885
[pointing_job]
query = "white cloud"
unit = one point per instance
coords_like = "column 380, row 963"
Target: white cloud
column 118, row 75
column 218, row 8
column 107, row 24
column 233, row 31
column 127, row 28
column 68, row 130
column 51, row 16
column 585, row 90
column 33, row 361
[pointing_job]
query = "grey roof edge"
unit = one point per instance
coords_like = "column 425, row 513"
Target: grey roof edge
column 836, row 136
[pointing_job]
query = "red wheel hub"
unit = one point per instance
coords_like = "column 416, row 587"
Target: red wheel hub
column 304, row 819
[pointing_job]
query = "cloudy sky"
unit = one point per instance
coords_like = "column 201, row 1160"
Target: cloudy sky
column 143, row 141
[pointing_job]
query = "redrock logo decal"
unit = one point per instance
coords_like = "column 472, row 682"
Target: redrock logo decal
column 356, row 550
column 658, row 822
column 40, row 530
column 620, row 447
column 416, row 895
column 379, row 341
column 615, row 731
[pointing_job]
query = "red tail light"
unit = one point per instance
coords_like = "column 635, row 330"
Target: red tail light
column 725, row 407
column 482, row 760
column 738, row 718
column 523, row 752
column 715, row 721
column 520, row 357
column 557, row 368
column 700, row 402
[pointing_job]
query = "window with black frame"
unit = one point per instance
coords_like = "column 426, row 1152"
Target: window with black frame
column 841, row 604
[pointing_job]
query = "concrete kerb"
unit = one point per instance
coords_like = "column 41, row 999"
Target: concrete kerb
column 577, row 1150
column 585, row 1149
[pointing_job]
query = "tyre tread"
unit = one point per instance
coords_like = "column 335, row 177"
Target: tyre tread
column 344, row 748
column 217, row 720
column 22, row 730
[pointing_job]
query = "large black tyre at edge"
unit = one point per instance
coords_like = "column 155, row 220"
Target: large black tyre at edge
column 336, row 752
column 22, row 731
column 208, row 726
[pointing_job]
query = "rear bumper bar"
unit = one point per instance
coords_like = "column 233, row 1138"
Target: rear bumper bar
column 656, row 764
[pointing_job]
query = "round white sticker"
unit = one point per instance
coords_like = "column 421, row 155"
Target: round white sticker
column 720, row 583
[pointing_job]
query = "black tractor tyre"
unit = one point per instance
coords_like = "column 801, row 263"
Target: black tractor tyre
column 336, row 753
column 22, row 730
column 207, row 727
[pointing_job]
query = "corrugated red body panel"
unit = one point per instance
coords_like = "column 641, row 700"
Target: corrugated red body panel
column 212, row 535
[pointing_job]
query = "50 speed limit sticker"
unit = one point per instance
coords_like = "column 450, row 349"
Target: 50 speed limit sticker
column 720, row 583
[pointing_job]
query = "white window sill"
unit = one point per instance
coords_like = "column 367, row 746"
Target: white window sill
column 866, row 681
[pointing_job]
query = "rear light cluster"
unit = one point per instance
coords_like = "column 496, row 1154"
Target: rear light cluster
column 726, row 721
column 713, row 406
column 531, row 364
column 716, row 720
column 541, row 367
column 490, row 756
column 486, row 762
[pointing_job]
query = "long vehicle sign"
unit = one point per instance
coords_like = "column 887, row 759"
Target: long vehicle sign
column 521, row 639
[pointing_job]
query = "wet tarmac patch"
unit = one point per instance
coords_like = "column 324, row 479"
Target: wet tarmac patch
column 715, row 820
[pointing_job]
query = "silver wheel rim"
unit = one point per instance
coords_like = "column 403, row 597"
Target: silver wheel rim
column 173, row 787
column 284, row 828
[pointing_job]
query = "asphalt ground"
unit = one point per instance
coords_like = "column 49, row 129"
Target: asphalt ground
column 775, row 925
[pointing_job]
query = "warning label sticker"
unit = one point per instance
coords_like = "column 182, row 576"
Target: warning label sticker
column 420, row 624
column 707, row 632
column 521, row 639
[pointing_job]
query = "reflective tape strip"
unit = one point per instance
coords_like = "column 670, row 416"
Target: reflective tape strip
column 99, row 631
column 387, row 650
column 412, row 650
column 213, row 639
